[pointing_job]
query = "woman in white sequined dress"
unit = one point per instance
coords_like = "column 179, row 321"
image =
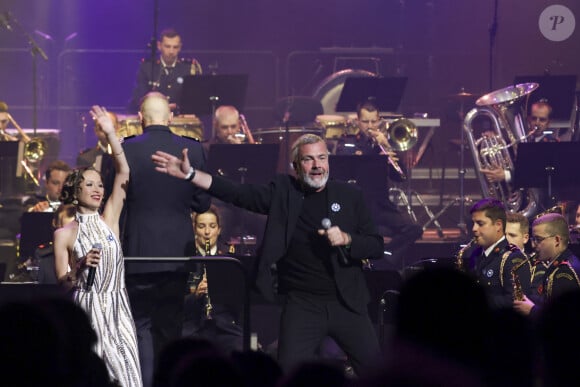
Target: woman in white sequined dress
column 92, row 241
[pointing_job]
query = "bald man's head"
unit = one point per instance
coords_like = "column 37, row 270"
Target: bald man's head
column 154, row 109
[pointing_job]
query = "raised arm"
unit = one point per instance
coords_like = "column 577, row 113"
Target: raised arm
column 114, row 204
column 181, row 168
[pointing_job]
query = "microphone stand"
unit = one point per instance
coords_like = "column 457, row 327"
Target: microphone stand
column 492, row 35
column 35, row 51
column 153, row 46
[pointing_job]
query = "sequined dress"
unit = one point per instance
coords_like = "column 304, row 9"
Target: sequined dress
column 107, row 303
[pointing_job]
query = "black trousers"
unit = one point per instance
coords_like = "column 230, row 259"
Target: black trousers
column 306, row 321
column 157, row 307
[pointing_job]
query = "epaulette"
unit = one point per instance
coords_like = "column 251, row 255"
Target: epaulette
column 143, row 60
column 191, row 138
column 513, row 248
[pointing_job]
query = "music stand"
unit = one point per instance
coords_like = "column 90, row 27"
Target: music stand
column 202, row 94
column 369, row 172
column 246, row 163
column 559, row 90
column 386, row 93
column 35, row 229
column 547, row 164
column 10, row 168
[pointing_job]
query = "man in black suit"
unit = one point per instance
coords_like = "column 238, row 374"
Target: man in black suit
column 158, row 224
column 319, row 267
column 166, row 73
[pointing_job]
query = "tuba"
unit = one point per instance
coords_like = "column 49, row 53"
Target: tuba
column 506, row 108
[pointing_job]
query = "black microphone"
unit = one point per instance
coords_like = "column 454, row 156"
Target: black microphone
column 326, row 224
column 92, row 269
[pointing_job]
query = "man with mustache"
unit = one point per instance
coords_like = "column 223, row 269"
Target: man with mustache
column 319, row 267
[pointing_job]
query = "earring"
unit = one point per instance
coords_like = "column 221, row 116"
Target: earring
column 75, row 202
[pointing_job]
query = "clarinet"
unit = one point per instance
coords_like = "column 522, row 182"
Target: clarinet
column 208, row 306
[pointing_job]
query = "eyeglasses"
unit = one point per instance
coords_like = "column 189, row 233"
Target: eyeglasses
column 538, row 239
column 539, row 119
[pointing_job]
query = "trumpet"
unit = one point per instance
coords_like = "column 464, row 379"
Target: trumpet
column 246, row 129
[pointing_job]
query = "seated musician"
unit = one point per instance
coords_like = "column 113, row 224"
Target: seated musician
column 391, row 222
column 4, row 120
column 227, row 126
column 166, row 73
column 55, row 175
column 557, row 269
column 202, row 318
column 517, row 230
column 538, row 129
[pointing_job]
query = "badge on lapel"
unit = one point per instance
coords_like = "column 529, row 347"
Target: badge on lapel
column 335, row 207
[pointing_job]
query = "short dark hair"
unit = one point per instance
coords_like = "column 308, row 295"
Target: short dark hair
column 168, row 33
column 212, row 210
column 492, row 208
column 515, row 217
column 56, row 165
column 367, row 105
column 555, row 225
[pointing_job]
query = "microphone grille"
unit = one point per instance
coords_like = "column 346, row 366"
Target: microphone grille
column 326, row 223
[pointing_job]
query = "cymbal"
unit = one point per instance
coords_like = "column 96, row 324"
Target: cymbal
column 462, row 95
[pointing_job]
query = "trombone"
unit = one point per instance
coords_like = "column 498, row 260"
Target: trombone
column 401, row 135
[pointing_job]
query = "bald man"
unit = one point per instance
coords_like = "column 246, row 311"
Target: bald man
column 226, row 126
column 158, row 224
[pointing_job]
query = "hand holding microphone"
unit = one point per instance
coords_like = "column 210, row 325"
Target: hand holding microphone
column 93, row 269
column 336, row 238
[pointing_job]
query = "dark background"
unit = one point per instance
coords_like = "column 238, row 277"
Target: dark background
column 93, row 49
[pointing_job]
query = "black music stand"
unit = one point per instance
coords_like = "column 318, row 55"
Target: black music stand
column 559, row 90
column 35, row 229
column 10, row 169
column 202, row 94
column 246, row 163
column 385, row 92
column 547, row 164
column 228, row 282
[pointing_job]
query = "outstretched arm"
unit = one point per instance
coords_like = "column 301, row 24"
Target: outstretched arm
column 114, row 205
column 181, row 168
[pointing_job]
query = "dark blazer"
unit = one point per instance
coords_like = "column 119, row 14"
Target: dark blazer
column 155, row 78
column 494, row 272
column 158, row 206
column 281, row 200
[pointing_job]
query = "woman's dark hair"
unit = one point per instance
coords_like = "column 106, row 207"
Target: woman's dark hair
column 71, row 185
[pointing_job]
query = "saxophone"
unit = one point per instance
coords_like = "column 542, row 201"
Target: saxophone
column 459, row 264
column 517, row 285
column 208, row 306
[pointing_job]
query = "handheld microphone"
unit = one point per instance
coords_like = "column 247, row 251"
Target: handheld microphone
column 92, row 269
column 326, row 224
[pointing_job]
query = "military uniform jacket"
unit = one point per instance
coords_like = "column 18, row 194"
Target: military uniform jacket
column 166, row 80
column 494, row 272
column 561, row 276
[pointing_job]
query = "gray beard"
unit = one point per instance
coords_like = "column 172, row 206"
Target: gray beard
column 314, row 184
